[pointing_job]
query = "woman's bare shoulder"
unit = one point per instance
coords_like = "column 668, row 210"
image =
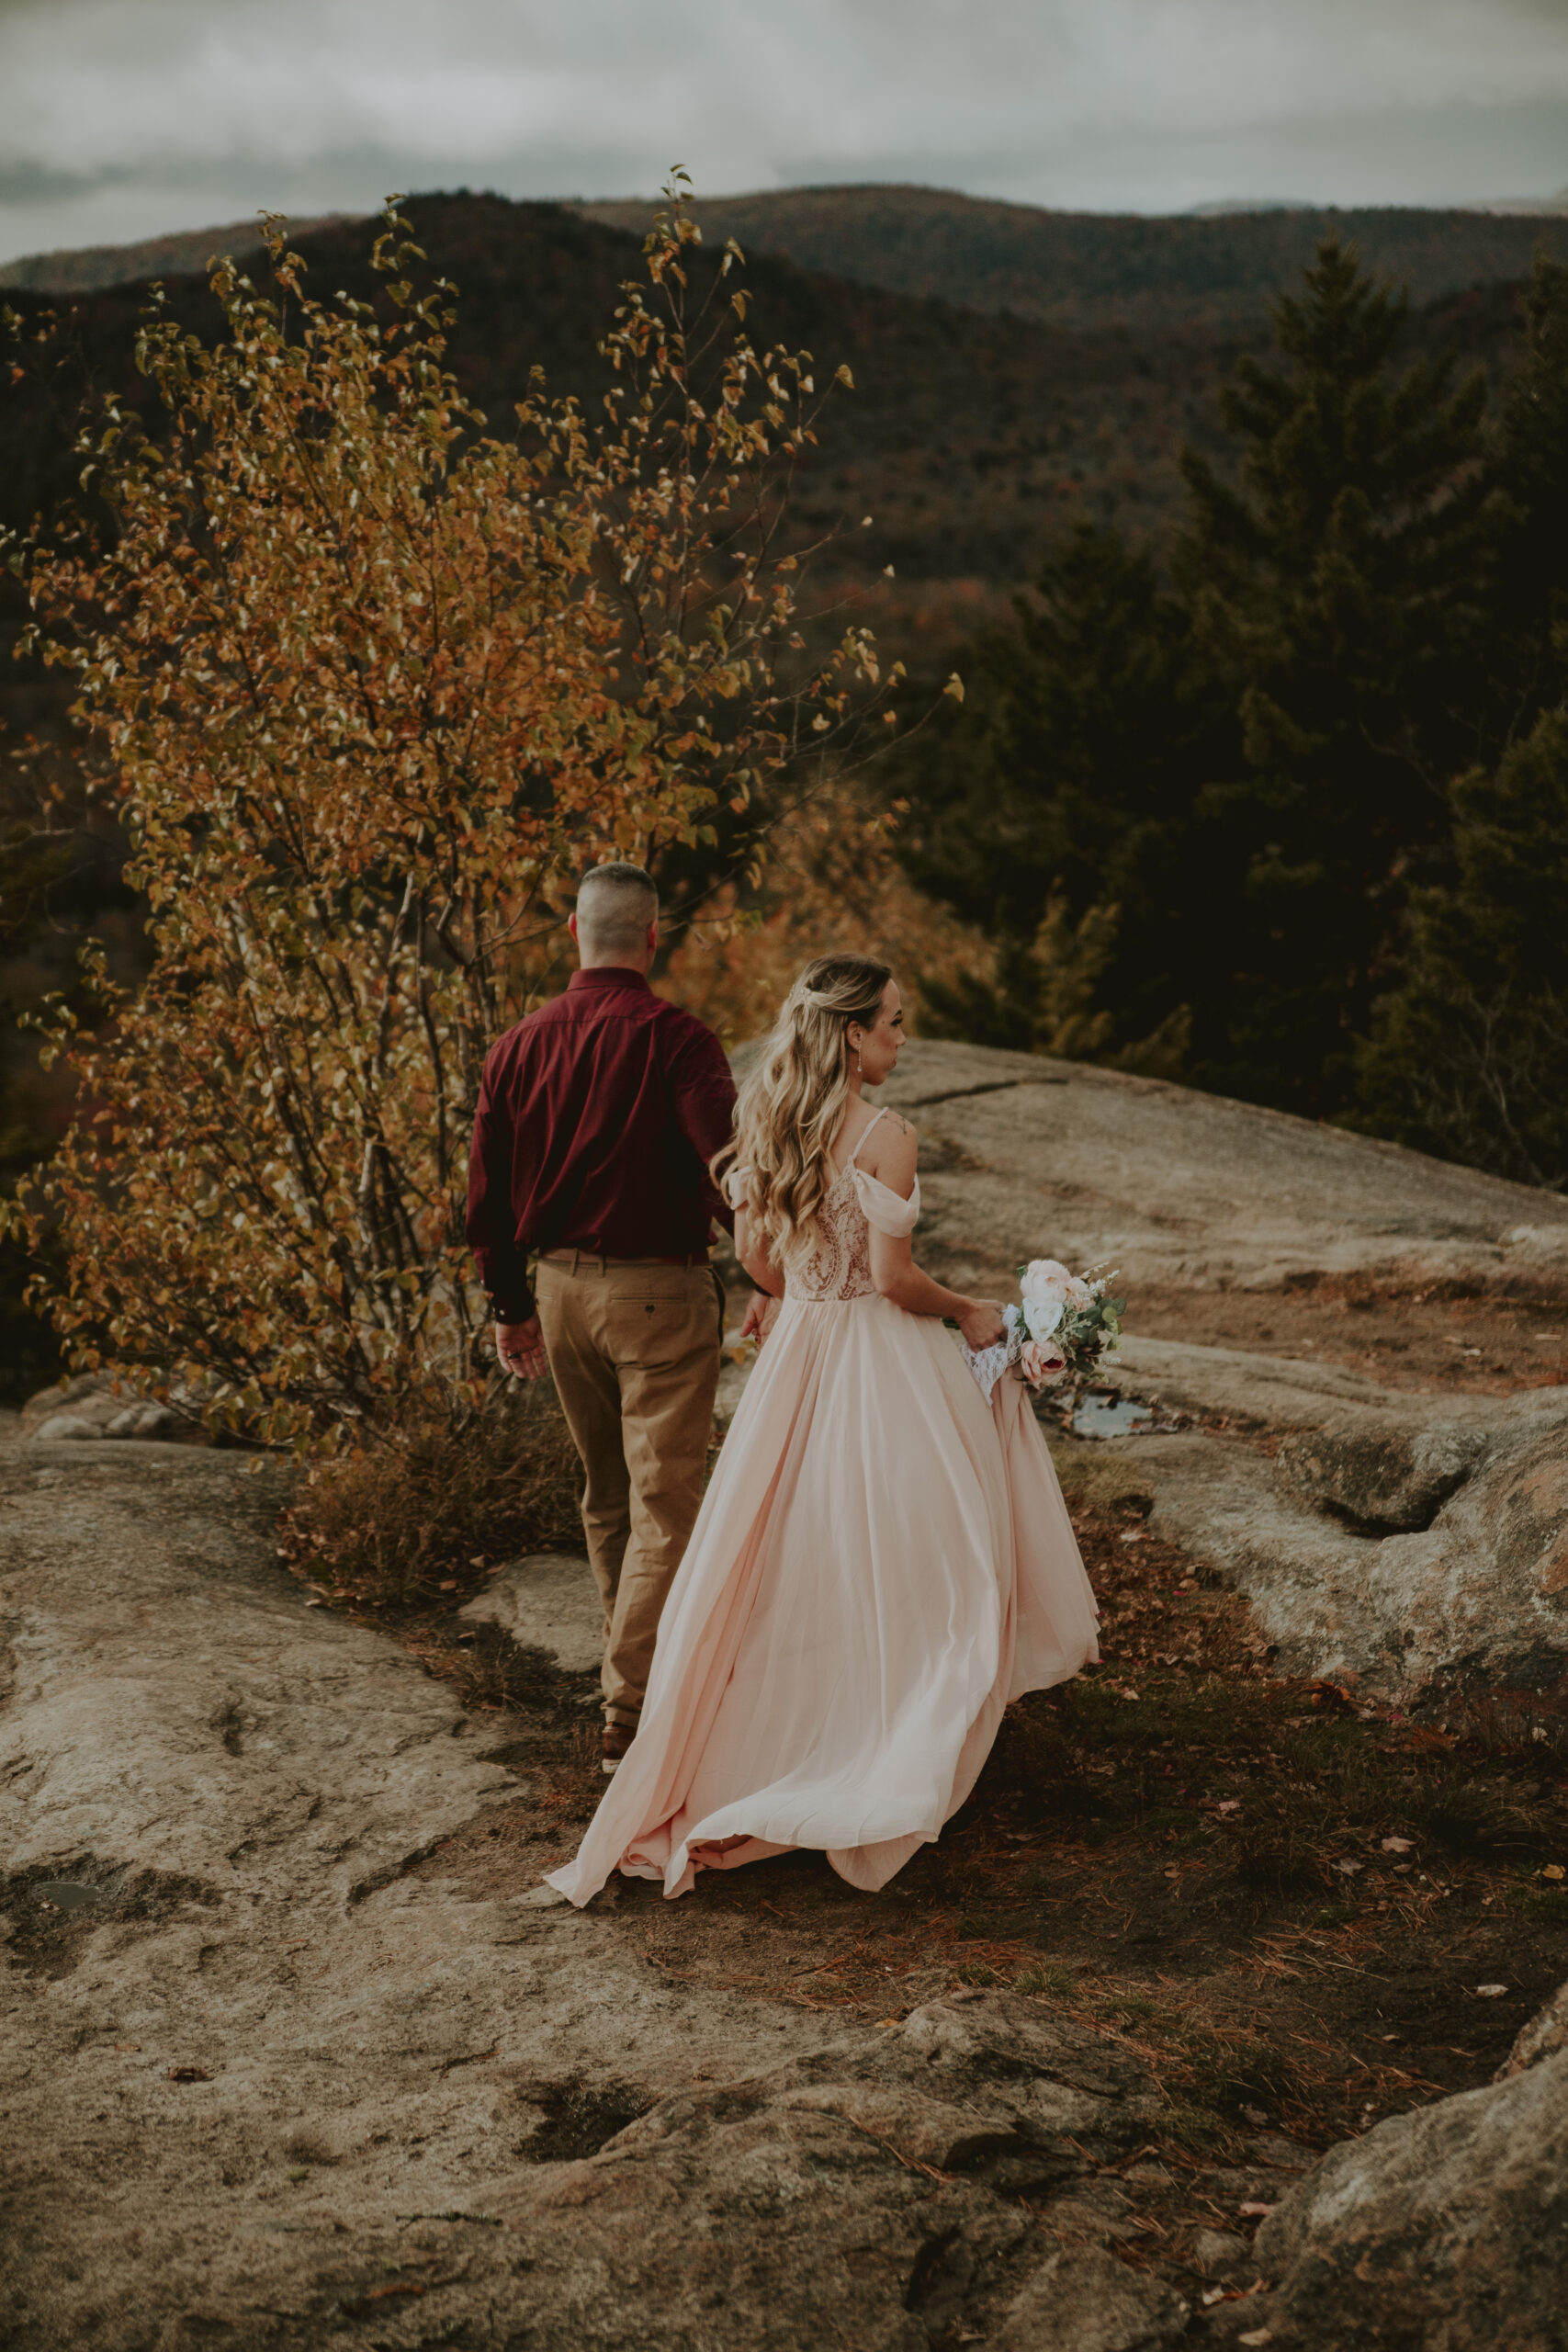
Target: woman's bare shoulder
column 891, row 1150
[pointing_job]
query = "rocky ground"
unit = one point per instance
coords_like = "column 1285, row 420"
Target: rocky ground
column 288, row 2059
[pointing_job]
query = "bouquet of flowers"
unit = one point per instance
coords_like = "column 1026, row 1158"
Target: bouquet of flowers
column 1064, row 1325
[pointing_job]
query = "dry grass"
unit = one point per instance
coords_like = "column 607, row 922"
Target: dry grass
column 417, row 1521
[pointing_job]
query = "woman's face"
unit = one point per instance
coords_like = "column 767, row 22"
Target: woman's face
column 879, row 1044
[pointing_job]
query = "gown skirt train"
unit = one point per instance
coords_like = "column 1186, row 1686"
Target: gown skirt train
column 881, row 1561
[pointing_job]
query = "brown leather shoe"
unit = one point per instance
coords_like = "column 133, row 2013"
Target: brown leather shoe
column 618, row 1737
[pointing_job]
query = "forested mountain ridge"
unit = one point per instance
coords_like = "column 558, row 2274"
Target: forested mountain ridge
column 88, row 269
column 1215, row 271
column 972, row 439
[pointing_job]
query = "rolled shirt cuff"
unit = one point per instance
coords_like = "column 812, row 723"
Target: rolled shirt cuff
column 512, row 1310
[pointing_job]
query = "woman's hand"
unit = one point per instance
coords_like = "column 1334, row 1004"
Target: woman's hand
column 982, row 1324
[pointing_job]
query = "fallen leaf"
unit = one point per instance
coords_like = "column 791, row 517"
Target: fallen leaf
column 1491, row 1992
column 1251, row 2210
column 1350, row 1870
column 1228, row 1804
column 1257, row 2336
column 1395, row 1846
column 1552, row 1870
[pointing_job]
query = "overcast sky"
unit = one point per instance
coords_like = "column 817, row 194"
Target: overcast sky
column 122, row 118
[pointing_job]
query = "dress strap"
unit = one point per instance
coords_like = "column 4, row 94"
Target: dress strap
column 861, row 1146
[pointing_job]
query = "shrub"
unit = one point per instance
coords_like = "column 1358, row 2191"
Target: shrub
column 400, row 1526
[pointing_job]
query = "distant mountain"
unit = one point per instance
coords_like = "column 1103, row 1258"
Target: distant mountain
column 973, row 439
column 1216, row 267
column 1533, row 205
column 1091, row 270
column 90, row 268
column 1227, row 204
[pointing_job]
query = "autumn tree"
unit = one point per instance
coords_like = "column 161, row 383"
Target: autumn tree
column 372, row 682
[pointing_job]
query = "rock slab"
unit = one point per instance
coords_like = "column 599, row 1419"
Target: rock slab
column 548, row 1600
column 1401, row 1540
column 1441, row 2231
column 1021, row 1153
column 260, row 2086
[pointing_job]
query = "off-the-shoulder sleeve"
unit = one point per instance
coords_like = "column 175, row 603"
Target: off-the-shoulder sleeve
column 735, row 1182
column 885, row 1209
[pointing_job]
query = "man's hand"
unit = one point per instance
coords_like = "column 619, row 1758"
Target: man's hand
column 521, row 1347
column 760, row 1317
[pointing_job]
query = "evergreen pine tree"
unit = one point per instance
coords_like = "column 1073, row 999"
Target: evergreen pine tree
column 1338, row 586
column 1531, row 470
column 1470, row 1054
column 1054, row 810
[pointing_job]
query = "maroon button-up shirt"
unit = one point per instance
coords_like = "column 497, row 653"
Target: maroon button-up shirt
column 598, row 1116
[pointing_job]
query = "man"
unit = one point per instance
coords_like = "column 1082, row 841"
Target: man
column 597, row 1117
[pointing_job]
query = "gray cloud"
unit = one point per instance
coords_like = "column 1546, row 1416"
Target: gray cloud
column 123, row 118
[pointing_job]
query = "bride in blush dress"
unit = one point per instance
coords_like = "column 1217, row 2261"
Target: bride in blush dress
column 882, row 1560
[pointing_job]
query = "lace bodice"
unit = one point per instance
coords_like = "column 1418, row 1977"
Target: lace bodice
column 840, row 1266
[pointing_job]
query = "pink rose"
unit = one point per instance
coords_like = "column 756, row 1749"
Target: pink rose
column 1039, row 1362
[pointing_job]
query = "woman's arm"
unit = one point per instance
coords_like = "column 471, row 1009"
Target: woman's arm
column 893, row 1267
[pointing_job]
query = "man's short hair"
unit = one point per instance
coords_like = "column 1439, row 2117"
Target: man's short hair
column 615, row 904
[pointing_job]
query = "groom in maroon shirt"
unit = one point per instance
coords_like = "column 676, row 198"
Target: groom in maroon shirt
column 597, row 1117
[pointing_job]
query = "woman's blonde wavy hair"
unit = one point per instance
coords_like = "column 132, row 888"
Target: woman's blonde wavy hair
column 791, row 1105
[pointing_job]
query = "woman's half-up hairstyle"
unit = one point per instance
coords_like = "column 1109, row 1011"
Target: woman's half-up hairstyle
column 791, row 1105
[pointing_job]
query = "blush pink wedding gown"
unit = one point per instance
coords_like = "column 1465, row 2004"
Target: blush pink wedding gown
column 881, row 1561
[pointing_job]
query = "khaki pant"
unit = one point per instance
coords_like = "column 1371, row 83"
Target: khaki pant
column 635, row 1354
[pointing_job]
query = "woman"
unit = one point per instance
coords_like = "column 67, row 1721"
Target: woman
column 882, row 1560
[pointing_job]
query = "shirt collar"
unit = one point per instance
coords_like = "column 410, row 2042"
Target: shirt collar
column 610, row 975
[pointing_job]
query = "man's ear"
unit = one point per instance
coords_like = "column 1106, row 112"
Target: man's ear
column 571, row 926
column 653, row 938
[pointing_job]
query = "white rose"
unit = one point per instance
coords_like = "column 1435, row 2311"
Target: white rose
column 1047, row 1286
column 1042, row 1314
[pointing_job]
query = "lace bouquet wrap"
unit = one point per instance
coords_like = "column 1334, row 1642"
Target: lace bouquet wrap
column 1062, row 1326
